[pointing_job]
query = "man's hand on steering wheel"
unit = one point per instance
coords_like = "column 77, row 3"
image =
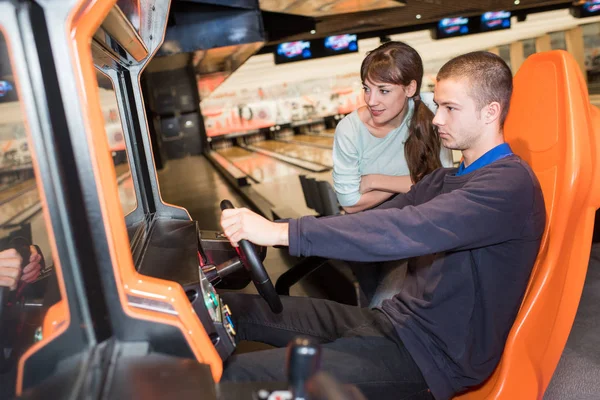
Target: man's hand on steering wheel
column 241, row 223
column 10, row 268
column 243, row 227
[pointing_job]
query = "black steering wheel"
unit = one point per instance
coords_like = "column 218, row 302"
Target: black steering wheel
column 257, row 270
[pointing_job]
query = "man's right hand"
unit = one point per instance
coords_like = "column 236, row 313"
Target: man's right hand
column 10, row 268
column 241, row 223
column 34, row 268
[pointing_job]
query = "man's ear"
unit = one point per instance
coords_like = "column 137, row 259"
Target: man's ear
column 492, row 112
column 411, row 88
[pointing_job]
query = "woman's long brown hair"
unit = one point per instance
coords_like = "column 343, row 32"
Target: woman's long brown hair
column 399, row 64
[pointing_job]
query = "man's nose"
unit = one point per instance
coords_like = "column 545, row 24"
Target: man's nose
column 437, row 119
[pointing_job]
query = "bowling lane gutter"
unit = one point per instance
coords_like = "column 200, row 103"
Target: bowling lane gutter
column 307, row 165
column 302, row 143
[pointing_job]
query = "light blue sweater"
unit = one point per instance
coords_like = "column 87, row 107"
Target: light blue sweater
column 356, row 152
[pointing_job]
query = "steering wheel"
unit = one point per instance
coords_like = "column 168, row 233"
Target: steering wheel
column 257, row 270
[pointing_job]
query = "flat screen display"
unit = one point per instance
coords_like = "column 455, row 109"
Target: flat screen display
column 587, row 9
column 495, row 20
column 340, row 44
column 293, row 51
column 453, row 27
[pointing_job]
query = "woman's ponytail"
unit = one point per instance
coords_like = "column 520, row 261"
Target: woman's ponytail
column 422, row 148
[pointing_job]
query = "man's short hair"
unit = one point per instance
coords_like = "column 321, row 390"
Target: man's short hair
column 490, row 79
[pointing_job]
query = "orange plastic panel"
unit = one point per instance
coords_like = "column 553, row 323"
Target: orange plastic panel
column 552, row 126
column 55, row 318
column 83, row 22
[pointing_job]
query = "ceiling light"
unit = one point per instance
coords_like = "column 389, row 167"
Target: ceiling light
column 517, row 2
column 312, row 32
column 418, row 16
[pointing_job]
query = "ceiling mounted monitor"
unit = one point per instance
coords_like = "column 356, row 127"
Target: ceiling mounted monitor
column 340, row 44
column 7, row 92
column 293, row 51
column 316, row 48
column 587, row 9
column 452, row 27
column 495, row 21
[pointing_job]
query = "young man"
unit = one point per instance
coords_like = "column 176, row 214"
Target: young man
column 472, row 235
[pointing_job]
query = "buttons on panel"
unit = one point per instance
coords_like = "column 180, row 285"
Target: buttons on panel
column 227, row 322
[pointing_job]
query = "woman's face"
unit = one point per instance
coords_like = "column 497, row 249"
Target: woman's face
column 387, row 102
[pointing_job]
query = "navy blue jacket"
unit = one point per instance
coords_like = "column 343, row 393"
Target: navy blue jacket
column 471, row 241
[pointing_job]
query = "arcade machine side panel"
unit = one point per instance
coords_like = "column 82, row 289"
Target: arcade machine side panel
column 171, row 306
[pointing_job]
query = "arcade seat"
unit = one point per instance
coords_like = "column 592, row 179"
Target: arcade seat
column 552, row 126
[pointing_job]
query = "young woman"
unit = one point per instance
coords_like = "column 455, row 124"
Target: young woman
column 389, row 144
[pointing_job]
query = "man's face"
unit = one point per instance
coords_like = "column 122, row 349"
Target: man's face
column 457, row 118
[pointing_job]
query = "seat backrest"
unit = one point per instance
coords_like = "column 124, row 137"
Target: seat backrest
column 310, row 203
column 551, row 125
column 328, row 198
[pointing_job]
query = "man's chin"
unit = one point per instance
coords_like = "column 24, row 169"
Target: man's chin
column 449, row 145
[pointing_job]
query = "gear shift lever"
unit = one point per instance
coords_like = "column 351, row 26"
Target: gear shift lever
column 303, row 361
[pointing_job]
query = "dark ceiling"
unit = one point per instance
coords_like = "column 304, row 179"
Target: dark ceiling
column 430, row 11
column 285, row 20
column 219, row 35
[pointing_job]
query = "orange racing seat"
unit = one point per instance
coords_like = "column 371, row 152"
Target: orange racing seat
column 552, row 125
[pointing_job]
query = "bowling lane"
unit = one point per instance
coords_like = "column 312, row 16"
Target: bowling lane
column 25, row 201
column 328, row 132
column 312, row 140
column 193, row 183
column 308, row 153
column 16, row 190
column 260, row 167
